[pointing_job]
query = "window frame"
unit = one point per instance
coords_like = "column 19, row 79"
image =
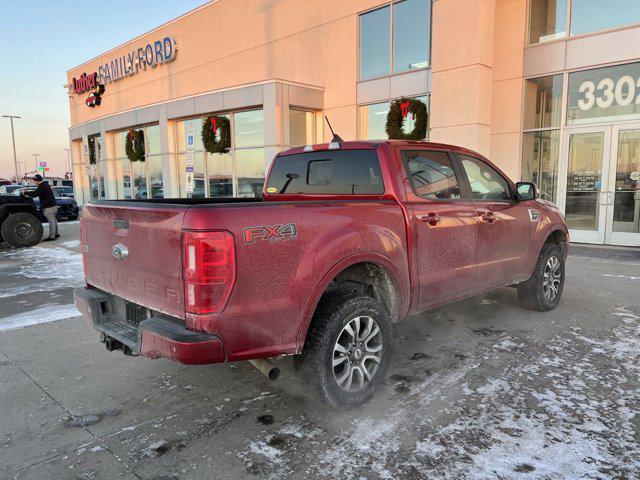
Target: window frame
column 391, row 6
column 510, row 184
column 465, row 190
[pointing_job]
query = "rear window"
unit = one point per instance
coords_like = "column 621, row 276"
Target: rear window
column 332, row 172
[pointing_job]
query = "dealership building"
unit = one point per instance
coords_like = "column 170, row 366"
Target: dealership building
column 549, row 90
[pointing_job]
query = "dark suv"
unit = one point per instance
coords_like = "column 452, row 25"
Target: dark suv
column 19, row 222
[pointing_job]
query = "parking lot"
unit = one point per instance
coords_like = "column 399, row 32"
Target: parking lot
column 479, row 389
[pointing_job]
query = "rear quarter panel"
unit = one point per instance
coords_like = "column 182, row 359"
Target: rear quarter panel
column 279, row 280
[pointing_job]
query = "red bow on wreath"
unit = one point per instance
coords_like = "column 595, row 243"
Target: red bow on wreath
column 214, row 125
column 131, row 135
column 404, row 106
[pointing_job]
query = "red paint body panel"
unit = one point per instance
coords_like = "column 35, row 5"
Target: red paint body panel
column 198, row 353
column 280, row 278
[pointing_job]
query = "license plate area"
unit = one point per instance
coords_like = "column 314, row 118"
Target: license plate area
column 135, row 313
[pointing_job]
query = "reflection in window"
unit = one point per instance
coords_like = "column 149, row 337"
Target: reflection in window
column 219, row 173
column 626, row 205
column 249, row 129
column 547, row 20
column 540, row 156
column 301, row 127
column 591, row 15
column 372, row 120
column 375, row 43
column 486, row 183
column 543, row 102
column 411, row 36
column 250, row 171
column 431, row 174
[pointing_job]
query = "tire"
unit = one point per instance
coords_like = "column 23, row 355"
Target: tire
column 329, row 339
column 22, row 230
column 543, row 290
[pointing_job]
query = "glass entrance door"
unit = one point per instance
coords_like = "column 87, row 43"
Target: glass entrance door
column 583, row 175
column 623, row 195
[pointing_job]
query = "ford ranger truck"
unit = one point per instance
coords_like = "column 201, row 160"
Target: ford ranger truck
column 348, row 238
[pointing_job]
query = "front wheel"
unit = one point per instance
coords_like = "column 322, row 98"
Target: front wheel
column 543, row 290
column 22, row 230
column 348, row 349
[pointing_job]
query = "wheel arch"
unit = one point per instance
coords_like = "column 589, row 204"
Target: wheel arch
column 556, row 234
column 374, row 273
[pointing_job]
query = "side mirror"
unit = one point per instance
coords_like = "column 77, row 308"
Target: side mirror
column 526, row 191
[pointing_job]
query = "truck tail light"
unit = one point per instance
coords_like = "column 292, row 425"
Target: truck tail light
column 209, row 270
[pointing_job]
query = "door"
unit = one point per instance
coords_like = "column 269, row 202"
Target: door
column 623, row 194
column 504, row 225
column 584, row 176
column 443, row 226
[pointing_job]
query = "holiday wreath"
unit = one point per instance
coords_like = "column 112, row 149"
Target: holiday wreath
column 216, row 134
column 398, row 111
column 134, row 146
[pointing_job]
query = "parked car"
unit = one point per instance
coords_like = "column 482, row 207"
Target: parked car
column 63, row 191
column 347, row 238
column 6, row 189
column 67, row 207
column 19, row 223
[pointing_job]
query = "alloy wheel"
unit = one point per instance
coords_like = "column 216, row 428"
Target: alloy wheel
column 357, row 353
column 552, row 278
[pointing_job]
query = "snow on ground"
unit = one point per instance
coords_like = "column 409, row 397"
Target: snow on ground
column 561, row 408
column 49, row 313
column 45, row 263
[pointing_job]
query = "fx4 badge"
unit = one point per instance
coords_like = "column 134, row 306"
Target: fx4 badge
column 270, row 233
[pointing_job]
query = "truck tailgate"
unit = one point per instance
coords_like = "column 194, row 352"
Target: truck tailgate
column 135, row 252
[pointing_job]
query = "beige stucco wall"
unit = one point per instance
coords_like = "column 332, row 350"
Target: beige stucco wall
column 477, row 64
column 237, row 42
column 477, row 76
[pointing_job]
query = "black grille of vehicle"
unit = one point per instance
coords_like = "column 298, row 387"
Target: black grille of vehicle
column 135, row 313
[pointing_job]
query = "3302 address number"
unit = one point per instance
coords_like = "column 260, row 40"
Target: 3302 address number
column 623, row 92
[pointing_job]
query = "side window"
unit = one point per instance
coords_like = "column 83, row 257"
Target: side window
column 486, row 183
column 431, row 174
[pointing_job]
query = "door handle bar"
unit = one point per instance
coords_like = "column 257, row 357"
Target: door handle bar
column 431, row 218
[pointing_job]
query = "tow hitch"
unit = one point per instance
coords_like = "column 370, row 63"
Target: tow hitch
column 112, row 344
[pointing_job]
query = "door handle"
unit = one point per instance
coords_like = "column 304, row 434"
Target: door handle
column 488, row 217
column 431, row 218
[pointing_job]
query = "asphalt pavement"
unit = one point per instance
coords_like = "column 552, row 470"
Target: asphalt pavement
column 478, row 389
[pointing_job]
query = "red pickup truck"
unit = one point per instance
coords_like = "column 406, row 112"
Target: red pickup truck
column 347, row 238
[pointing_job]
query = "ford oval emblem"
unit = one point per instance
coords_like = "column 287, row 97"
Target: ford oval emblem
column 120, row 251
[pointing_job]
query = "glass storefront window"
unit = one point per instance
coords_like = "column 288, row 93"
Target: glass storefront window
column 375, row 43
column 547, row 20
column 301, row 127
column 590, row 15
column 626, row 205
column 372, row 120
column 249, row 129
column 604, row 94
column 250, row 171
column 411, row 36
column 540, row 156
column 410, row 41
column 220, row 175
column 154, row 160
column 543, row 102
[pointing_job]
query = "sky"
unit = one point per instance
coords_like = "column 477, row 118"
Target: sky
column 39, row 41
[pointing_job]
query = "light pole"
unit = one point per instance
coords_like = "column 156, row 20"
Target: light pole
column 68, row 168
column 35, row 157
column 13, row 139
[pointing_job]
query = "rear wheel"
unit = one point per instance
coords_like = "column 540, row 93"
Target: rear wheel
column 543, row 290
column 348, row 349
column 22, row 230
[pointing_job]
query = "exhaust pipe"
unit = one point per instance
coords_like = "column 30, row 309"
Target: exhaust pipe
column 267, row 368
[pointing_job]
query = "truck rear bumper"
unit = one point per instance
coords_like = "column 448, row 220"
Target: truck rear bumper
column 158, row 336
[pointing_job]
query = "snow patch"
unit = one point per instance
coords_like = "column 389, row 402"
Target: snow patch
column 40, row 315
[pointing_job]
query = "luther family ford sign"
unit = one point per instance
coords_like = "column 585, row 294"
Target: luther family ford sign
column 131, row 63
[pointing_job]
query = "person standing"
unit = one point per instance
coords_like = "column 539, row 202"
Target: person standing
column 48, row 205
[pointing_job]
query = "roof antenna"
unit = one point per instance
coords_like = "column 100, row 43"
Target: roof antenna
column 336, row 137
